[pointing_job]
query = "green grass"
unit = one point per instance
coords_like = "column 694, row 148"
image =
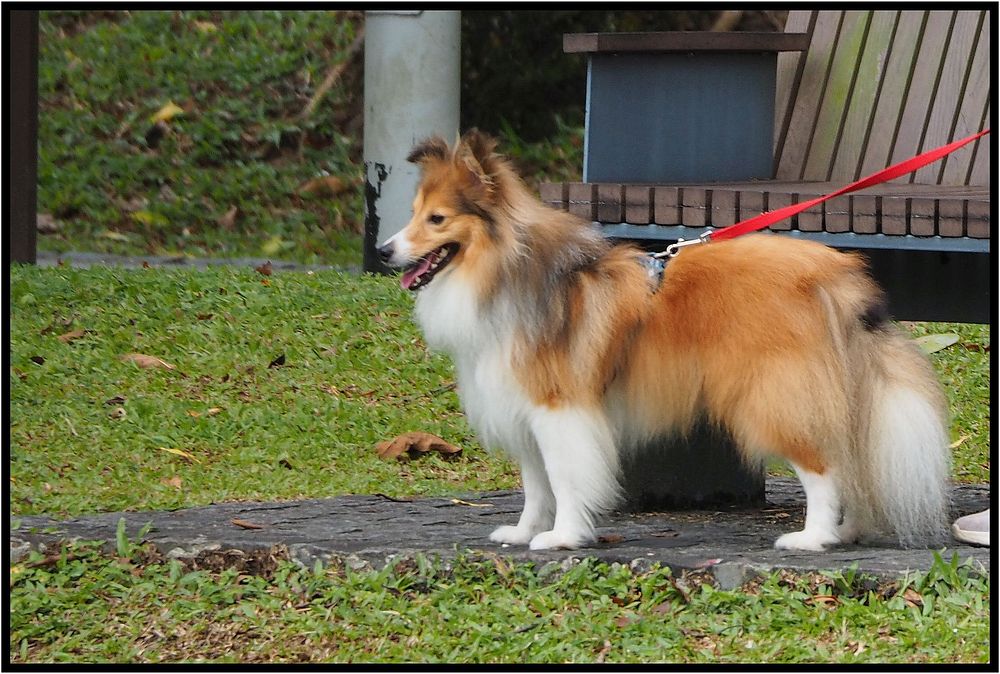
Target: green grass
column 76, row 605
column 241, row 78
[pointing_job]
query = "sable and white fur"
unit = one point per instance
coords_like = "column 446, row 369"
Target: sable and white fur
column 568, row 355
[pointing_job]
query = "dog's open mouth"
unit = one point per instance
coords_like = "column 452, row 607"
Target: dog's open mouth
column 421, row 272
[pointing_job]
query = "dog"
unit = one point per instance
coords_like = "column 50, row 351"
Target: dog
column 569, row 354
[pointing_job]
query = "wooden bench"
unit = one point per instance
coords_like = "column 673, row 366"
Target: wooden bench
column 871, row 89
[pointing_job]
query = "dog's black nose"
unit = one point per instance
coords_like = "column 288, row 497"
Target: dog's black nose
column 385, row 252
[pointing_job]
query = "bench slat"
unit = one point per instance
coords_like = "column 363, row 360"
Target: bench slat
column 924, row 82
column 957, row 168
column 899, row 58
column 949, row 99
column 981, row 164
column 868, row 84
column 837, row 94
column 794, row 152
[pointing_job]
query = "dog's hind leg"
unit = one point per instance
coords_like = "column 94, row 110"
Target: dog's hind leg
column 822, row 513
column 580, row 460
column 539, row 503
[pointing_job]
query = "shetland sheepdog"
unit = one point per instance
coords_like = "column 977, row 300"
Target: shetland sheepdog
column 569, row 354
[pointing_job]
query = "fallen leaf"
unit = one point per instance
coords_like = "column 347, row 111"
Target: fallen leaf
column 934, row 343
column 246, row 525
column 37, row 360
column 913, row 598
column 174, row 482
column 114, row 236
column 823, row 599
column 264, row 269
column 145, row 265
column 117, row 413
column 610, row 538
column 959, row 442
column 212, row 411
column 117, row 400
column 415, row 443
column 277, row 362
column 624, row 621
column 142, row 360
column 458, row 501
column 973, row 346
column 203, row 317
column 205, row 26
column 21, row 374
column 166, row 113
column 193, row 413
column 68, row 337
column 662, row 608
column 228, row 219
column 329, row 186
column 181, row 453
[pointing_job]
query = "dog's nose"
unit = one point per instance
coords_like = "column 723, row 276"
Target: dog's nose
column 385, row 252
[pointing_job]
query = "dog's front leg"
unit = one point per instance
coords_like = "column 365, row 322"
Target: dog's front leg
column 539, row 504
column 581, row 463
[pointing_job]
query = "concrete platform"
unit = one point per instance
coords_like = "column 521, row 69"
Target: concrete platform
column 369, row 530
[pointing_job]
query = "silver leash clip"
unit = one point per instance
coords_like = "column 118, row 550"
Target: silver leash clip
column 673, row 248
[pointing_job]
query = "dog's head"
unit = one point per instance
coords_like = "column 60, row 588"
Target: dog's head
column 454, row 211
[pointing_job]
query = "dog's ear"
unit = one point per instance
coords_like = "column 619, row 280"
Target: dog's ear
column 474, row 152
column 429, row 149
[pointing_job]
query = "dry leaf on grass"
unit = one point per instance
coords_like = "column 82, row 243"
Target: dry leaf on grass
column 323, row 186
column 264, row 269
column 181, row 453
column 68, row 337
column 142, row 360
column 414, row 444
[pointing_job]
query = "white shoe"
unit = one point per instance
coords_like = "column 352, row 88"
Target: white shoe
column 974, row 529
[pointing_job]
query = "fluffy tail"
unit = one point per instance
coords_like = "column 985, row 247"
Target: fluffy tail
column 900, row 443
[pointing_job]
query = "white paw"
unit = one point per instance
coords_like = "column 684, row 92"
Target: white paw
column 553, row 540
column 511, row 535
column 816, row 541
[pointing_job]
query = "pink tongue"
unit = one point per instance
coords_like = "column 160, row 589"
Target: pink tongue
column 410, row 275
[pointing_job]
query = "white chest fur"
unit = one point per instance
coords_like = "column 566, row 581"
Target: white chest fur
column 494, row 403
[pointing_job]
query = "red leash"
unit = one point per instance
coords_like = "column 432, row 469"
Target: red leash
column 765, row 219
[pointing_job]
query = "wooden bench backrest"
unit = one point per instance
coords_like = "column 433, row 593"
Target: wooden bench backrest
column 876, row 87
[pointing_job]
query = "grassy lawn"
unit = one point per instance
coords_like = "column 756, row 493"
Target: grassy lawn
column 138, row 608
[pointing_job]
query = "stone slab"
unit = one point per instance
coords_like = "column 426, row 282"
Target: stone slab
column 732, row 544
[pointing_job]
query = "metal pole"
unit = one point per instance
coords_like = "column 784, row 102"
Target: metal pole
column 412, row 63
column 21, row 134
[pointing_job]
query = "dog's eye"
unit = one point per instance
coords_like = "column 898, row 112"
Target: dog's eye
column 435, row 219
